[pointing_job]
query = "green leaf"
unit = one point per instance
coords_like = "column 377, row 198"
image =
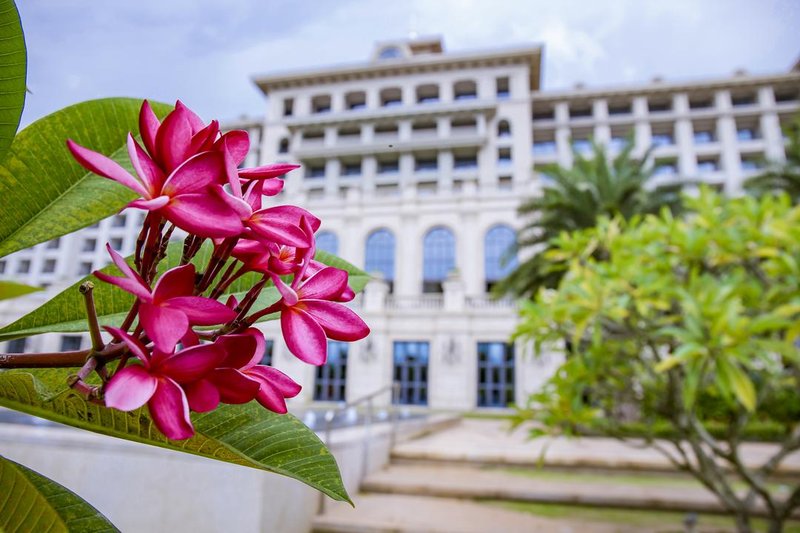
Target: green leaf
column 246, row 435
column 684, row 352
column 44, row 192
column 31, row 502
column 65, row 312
column 11, row 289
column 13, row 65
column 731, row 376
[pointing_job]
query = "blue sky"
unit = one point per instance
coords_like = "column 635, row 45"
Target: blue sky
column 205, row 51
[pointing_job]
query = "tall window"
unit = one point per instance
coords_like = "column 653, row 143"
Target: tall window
column 269, row 348
column 438, row 258
column 16, row 346
column 327, row 242
column 332, row 376
column 379, row 256
column 411, row 371
column 499, row 254
column 495, row 374
column 71, row 342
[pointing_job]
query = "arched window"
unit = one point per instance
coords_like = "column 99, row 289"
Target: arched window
column 379, row 256
column 438, row 258
column 503, row 128
column 499, row 255
column 327, row 242
column 283, row 146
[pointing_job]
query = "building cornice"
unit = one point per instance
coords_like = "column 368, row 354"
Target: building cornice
column 666, row 87
column 530, row 55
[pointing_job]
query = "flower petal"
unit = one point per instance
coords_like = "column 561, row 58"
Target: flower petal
column 130, row 388
column 239, row 350
column 325, row 284
column 203, row 214
column 267, row 171
column 177, row 281
column 304, row 337
column 194, row 120
column 192, row 363
column 202, row 396
column 339, row 322
column 233, row 386
column 271, row 225
column 148, row 127
column 151, row 175
column 136, row 347
column 237, row 143
column 169, row 409
column 150, row 205
column 283, row 383
column 203, row 140
column 106, row 167
column 173, row 139
column 196, row 174
column 202, row 311
column 164, row 326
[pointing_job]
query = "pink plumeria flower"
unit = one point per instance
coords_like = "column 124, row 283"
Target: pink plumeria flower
column 169, row 310
column 309, row 316
column 239, row 378
column 182, row 135
column 182, row 197
column 157, row 383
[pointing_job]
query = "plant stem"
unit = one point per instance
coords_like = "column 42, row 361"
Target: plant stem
column 59, row 359
column 86, row 289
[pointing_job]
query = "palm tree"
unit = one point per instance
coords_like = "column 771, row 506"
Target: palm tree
column 785, row 175
column 574, row 199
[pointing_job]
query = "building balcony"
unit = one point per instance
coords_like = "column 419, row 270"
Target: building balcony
column 427, row 109
column 383, row 145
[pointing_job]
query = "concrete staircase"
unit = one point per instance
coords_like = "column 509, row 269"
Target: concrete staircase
column 441, row 483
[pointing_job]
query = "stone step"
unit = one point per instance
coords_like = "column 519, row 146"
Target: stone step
column 490, row 443
column 674, row 494
column 382, row 513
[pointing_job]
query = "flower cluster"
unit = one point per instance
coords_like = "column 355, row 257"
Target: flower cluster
column 188, row 176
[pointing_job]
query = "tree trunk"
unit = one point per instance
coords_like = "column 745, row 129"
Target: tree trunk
column 775, row 525
column 743, row 523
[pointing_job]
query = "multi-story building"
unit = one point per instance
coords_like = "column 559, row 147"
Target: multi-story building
column 416, row 161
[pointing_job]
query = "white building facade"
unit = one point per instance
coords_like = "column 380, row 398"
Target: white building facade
column 416, row 162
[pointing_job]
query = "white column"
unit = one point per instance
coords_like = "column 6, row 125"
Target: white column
column 684, row 137
column 563, row 135
column 726, row 132
column 408, row 267
column 642, row 131
column 770, row 126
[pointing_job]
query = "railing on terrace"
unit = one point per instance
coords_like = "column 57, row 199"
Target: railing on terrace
column 421, row 301
column 368, row 401
column 487, row 302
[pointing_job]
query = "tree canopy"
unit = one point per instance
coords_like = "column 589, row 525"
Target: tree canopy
column 685, row 321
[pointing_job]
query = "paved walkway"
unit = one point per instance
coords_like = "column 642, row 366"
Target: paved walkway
column 383, row 513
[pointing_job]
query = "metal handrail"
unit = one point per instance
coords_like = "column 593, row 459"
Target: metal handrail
column 330, row 415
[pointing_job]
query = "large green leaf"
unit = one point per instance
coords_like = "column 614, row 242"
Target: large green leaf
column 44, row 193
column 13, row 66
column 246, row 435
column 31, row 502
column 66, row 311
column 11, row 289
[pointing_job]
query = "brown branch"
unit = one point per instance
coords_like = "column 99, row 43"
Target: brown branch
column 86, row 289
column 59, row 359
